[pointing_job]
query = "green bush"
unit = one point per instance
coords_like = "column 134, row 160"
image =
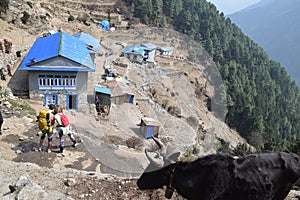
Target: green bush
column 71, row 18
column 241, row 149
column 29, row 3
column 4, row 6
column 25, row 17
column 133, row 142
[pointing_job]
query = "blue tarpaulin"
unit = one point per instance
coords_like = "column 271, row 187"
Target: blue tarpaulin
column 104, row 24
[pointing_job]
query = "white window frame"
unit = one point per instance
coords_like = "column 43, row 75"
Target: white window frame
column 50, row 99
column 57, row 82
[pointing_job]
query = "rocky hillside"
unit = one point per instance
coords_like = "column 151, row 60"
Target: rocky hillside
column 105, row 165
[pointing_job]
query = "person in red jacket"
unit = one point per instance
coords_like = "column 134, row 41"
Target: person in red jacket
column 62, row 130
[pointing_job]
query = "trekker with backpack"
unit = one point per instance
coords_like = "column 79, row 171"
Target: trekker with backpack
column 2, row 74
column 63, row 127
column 45, row 121
column 1, row 118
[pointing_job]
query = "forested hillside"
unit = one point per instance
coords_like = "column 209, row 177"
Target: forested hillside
column 263, row 101
column 274, row 25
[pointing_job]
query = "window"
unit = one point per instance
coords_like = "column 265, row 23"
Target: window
column 50, row 99
column 57, row 82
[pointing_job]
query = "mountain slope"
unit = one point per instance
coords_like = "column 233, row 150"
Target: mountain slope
column 255, row 85
column 274, row 25
column 263, row 100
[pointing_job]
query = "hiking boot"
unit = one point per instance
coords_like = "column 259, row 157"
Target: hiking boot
column 75, row 144
column 61, row 149
column 40, row 149
column 49, row 150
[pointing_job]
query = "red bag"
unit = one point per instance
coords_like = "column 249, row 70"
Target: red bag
column 64, row 120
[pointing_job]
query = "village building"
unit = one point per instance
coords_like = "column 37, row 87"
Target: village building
column 140, row 54
column 149, row 52
column 149, row 127
column 134, row 54
column 92, row 44
column 120, row 92
column 166, row 51
column 103, row 94
column 57, row 68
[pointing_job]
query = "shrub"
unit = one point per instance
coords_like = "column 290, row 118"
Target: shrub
column 188, row 155
column 25, row 17
column 241, row 149
column 4, row 6
column 29, row 3
column 71, row 18
column 223, row 146
column 83, row 17
column 133, row 142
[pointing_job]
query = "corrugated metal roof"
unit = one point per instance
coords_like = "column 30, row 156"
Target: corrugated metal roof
column 134, row 50
column 166, row 48
column 149, row 46
column 150, row 121
column 119, row 88
column 92, row 43
column 103, row 90
column 58, row 44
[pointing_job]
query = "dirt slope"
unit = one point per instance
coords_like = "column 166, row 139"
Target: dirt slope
column 103, row 149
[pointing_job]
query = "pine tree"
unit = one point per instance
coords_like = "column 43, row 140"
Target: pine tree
column 4, row 6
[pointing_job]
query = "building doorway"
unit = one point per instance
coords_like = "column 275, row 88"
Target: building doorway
column 72, row 102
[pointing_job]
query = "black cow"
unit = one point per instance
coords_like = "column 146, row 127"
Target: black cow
column 265, row 176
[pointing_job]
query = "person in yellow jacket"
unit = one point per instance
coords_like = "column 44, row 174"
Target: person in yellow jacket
column 47, row 129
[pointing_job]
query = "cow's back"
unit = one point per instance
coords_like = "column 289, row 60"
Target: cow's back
column 264, row 176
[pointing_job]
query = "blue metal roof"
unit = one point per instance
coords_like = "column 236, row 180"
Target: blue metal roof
column 59, row 44
column 103, row 90
column 149, row 46
column 134, row 50
column 92, row 43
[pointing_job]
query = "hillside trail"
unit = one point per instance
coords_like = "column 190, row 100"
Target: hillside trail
column 99, row 153
column 103, row 145
column 94, row 153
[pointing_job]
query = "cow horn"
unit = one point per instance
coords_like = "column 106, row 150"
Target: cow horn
column 160, row 145
column 149, row 157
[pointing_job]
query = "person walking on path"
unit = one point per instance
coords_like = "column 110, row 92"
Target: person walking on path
column 97, row 103
column 1, row 119
column 8, row 68
column 61, row 129
column 48, row 131
column 2, row 74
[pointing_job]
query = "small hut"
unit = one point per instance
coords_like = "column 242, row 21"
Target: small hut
column 104, row 94
column 120, row 92
column 134, row 53
column 166, row 51
column 149, row 127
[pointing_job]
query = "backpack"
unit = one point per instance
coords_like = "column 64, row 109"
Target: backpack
column 44, row 121
column 64, row 120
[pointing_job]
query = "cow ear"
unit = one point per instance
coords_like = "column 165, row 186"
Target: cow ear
column 174, row 156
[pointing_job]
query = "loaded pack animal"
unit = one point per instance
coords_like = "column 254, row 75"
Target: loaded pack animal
column 265, row 176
